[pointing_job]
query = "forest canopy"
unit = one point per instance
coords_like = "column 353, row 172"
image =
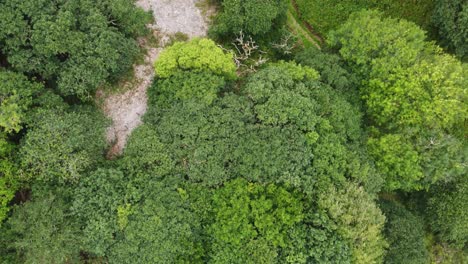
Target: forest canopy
column 250, row 147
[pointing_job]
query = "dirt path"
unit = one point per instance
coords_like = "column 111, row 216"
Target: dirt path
column 126, row 109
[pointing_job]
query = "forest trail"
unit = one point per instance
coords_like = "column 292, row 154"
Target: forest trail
column 127, row 109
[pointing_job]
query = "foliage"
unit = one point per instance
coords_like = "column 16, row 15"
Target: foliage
column 451, row 19
column 411, row 90
column 288, row 95
column 254, row 215
column 405, row 234
column 160, row 229
column 61, row 145
column 358, row 219
column 197, row 55
column 146, row 155
column 78, row 45
column 253, row 17
column 448, row 212
column 8, row 180
column 396, row 157
column 97, row 200
column 316, row 240
column 202, row 86
column 41, row 231
column 326, row 15
column 245, row 211
column 330, row 67
column 16, row 96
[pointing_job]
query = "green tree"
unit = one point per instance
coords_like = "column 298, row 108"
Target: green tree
column 448, row 211
column 254, row 215
column 16, row 96
column 358, row 219
column 145, row 154
column 405, row 234
column 61, row 145
column 160, row 229
column 411, row 91
column 77, row 45
column 8, row 176
column 203, row 87
column 197, row 55
column 330, row 66
column 96, row 203
column 42, row 231
column 326, row 15
column 253, row 17
column 451, row 19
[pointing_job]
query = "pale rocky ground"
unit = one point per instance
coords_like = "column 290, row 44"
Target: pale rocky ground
column 127, row 108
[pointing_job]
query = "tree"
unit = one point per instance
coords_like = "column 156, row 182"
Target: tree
column 253, row 215
column 197, row 55
column 358, row 219
column 286, row 94
column 448, row 212
column 96, row 203
column 160, row 229
column 330, row 66
column 145, row 154
column 77, row 45
column 326, row 15
column 405, row 234
column 253, row 17
column 61, row 145
column 16, row 96
column 411, row 90
column 41, row 231
column 8, row 180
column 451, row 19
column 203, row 87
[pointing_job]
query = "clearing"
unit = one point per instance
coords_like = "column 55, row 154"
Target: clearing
column 127, row 108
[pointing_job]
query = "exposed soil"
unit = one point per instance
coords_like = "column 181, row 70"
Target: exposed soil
column 126, row 109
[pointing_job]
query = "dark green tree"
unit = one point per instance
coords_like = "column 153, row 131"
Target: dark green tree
column 202, row 87
column 160, row 229
column 405, row 234
column 42, row 231
column 8, row 176
column 253, row 17
column 451, row 19
column 76, row 46
column 448, row 211
column 59, row 146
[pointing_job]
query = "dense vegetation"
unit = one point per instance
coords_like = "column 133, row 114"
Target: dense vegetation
column 355, row 153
